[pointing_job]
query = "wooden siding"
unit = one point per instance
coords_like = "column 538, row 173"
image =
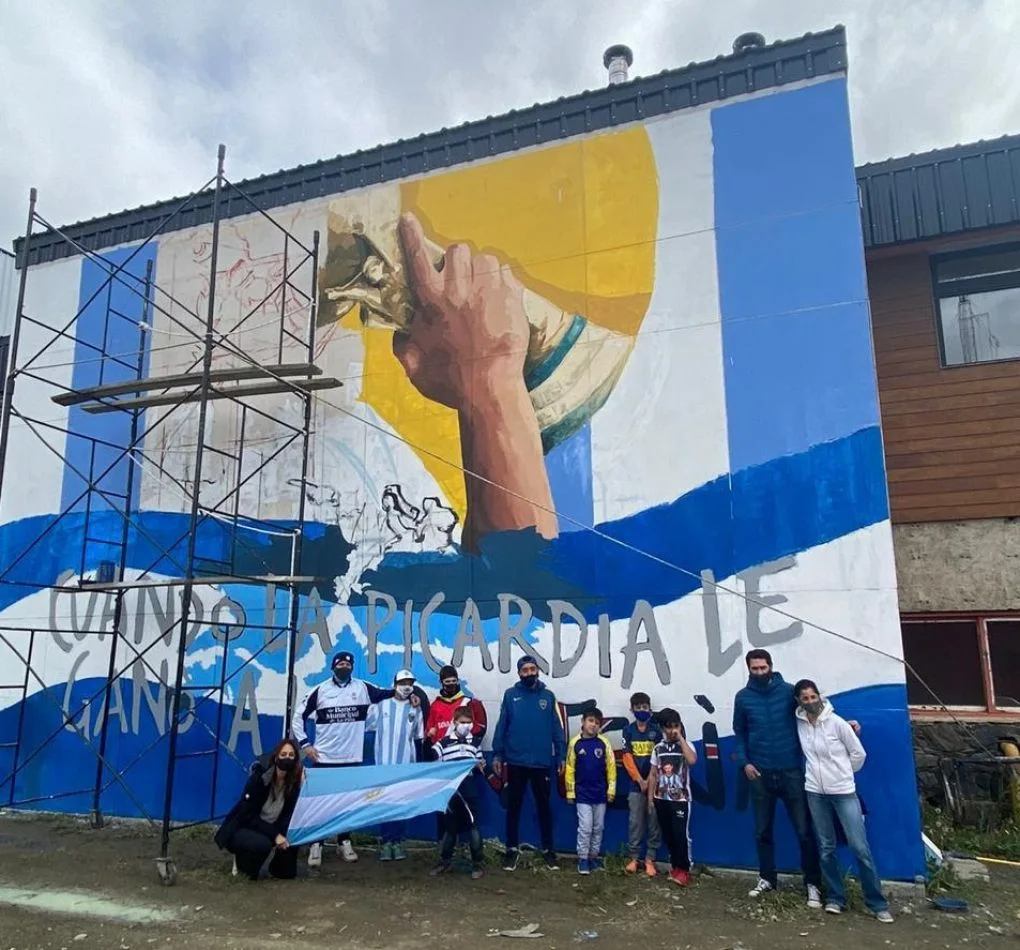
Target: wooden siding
column 952, row 435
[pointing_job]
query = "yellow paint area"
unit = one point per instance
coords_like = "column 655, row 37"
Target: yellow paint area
column 576, row 222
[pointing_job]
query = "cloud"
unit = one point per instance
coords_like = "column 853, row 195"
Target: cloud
column 113, row 104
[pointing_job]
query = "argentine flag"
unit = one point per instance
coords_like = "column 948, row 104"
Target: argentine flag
column 333, row 801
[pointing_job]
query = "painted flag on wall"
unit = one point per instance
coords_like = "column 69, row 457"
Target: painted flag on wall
column 333, row 801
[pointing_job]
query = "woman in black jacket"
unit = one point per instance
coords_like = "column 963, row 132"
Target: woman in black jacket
column 258, row 822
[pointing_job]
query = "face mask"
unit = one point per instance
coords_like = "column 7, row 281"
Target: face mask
column 342, row 676
column 642, row 715
column 448, row 690
column 463, row 729
column 404, row 691
column 286, row 765
column 761, row 677
column 813, row 708
column 530, row 680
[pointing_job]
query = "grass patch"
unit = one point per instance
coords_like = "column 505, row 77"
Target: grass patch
column 1002, row 842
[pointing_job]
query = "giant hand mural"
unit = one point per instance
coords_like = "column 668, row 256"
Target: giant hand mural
column 609, row 401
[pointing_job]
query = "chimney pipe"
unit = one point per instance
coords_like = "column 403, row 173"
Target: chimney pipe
column 747, row 42
column 617, row 59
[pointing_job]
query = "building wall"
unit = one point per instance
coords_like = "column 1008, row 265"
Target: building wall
column 688, row 372
column 952, row 435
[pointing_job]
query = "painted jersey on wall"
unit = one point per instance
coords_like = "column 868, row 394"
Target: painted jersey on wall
column 653, row 348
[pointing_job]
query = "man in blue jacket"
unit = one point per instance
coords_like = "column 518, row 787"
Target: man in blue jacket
column 768, row 751
column 528, row 747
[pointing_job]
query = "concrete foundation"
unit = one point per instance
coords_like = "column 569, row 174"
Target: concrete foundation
column 958, row 565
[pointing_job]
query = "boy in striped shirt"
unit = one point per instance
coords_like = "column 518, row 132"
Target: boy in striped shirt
column 399, row 730
column 462, row 813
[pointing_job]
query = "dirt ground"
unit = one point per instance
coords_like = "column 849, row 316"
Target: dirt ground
column 398, row 906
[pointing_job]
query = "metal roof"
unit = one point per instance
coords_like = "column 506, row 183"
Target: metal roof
column 815, row 54
column 936, row 194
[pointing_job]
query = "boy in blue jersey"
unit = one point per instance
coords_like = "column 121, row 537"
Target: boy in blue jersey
column 591, row 783
column 639, row 740
column 399, row 730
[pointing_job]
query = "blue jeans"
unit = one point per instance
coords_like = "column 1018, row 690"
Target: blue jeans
column 393, row 832
column 847, row 809
column 786, row 786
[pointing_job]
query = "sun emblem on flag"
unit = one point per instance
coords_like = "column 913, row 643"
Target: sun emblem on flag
column 372, row 794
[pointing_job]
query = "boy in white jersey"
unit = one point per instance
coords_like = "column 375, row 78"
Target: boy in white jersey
column 399, row 730
column 460, row 745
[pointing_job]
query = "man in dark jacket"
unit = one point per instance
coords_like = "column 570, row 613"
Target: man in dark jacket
column 529, row 741
column 768, row 752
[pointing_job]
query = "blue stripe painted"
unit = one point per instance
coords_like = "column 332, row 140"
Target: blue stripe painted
column 100, row 326
column 792, row 286
column 569, row 468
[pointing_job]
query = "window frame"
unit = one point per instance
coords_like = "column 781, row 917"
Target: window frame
column 944, row 256
column 980, row 618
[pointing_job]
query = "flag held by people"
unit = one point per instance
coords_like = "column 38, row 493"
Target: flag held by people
column 334, row 801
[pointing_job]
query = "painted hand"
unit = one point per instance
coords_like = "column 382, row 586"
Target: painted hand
column 469, row 326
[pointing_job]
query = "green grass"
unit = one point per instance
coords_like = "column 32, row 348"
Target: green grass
column 1003, row 842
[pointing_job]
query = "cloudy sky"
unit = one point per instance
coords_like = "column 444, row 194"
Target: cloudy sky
column 107, row 104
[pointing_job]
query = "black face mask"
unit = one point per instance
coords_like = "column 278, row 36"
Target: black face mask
column 447, row 690
column 530, row 680
column 286, row 765
column 761, row 678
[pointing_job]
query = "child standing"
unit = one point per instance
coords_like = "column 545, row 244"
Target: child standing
column 591, row 783
column 458, row 745
column 639, row 740
column 669, row 793
column 399, row 728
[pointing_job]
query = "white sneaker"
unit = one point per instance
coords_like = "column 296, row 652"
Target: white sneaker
column 762, row 887
column 347, row 851
column 814, row 897
column 884, row 917
column 315, row 855
column 833, row 909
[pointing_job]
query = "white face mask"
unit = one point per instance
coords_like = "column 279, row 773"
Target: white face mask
column 404, row 691
column 463, row 729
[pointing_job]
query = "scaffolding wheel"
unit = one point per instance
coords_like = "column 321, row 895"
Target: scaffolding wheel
column 167, row 871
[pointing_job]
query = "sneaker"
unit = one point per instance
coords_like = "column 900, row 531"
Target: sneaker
column 650, row 869
column 681, row 878
column 510, row 859
column 883, row 917
column 477, row 872
column 551, row 861
column 398, row 852
column 831, row 908
column 814, row 897
column 762, row 887
column 583, row 866
column 347, row 851
column 441, row 868
column 597, row 864
column 385, row 852
column 631, row 867
column 315, row 855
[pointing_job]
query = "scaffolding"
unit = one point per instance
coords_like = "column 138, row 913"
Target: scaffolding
column 221, row 372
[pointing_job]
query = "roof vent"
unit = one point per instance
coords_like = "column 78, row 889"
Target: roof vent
column 747, row 42
column 617, row 59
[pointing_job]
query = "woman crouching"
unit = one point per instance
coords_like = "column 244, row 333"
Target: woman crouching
column 832, row 754
column 258, row 823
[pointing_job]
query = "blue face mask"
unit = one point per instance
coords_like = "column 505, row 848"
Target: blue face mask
column 642, row 715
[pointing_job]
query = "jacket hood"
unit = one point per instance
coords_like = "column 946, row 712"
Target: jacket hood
column 775, row 680
column 826, row 712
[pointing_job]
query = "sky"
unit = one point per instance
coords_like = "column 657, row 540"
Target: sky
column 110, row 104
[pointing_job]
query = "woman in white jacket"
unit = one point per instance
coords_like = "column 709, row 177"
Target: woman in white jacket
column 832, row 754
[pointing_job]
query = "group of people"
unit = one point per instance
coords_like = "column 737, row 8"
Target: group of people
column 790, row 745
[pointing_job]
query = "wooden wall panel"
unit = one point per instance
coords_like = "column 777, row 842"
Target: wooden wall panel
column 952, row 435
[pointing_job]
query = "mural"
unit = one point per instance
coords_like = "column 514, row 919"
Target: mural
column 608, row 401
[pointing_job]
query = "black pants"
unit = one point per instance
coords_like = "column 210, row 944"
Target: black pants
column 518, row 778
column 461, row 815
column 787, row 786
column 251, row 848
column 674, row 820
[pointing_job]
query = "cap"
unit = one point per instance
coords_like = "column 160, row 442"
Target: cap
column 340, row 657
column 527, row 658
column 403, row 675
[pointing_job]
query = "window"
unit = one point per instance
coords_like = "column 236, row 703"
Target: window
column 970, row 662
column 977, row 296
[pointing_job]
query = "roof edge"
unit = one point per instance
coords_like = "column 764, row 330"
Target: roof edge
column 727, row 76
